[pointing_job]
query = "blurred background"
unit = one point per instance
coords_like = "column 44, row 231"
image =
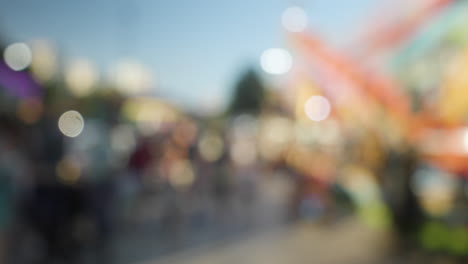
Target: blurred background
column 321, row 131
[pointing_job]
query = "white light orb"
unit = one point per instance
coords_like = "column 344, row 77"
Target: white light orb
column 71, row 123
column 276, row 61
column 294, row 19
column 465, row 140
column 132, row 77
column 18, row 56
column 317, row 108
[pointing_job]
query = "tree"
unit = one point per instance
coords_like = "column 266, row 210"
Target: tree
column 248, row 94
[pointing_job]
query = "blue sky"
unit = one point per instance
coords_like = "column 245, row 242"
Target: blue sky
column 195, row 48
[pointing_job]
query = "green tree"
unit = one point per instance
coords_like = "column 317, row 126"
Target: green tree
column 248, row 94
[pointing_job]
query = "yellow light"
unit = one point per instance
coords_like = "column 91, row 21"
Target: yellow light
column 80, row 77
column 275, row 135
column 131, row 77
column 243, row 152
column 68, row 171
column 181, row 174
column 211, row 146
column 44, row 61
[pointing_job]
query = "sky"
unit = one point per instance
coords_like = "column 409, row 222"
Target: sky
column 196, row 49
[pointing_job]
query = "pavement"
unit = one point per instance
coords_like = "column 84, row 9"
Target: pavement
column 164, row 232
column 347, row 241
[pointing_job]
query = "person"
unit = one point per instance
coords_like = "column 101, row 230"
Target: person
column 52, row 207
column 5, row 206
column 12, row 170
column 407, row 215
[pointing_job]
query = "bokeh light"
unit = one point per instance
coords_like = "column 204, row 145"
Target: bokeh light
column 276, row 133
column 294, row 19
column 436, row 190
column 465, row 139
column 44, row 62
column 243, row 152
column 18, row 56
column 122, row 139
column 131, row 77
column 211, row 146
column 71, row 123
column 244, row 125
column 30, row 110
column 317, row 108
column 276, row 61
column 80, row 77
column 68, row 170
column 181, row 174
column 149, row 114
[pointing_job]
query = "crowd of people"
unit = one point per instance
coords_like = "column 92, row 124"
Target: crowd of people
column 63, row 197
column 88, row 168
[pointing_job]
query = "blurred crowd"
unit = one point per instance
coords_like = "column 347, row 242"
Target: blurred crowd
column 65, row 197
column 85, row 162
